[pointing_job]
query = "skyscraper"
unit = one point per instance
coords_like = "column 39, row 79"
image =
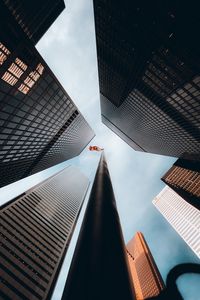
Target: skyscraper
column 35, row 233
column 182, row 216
column 35, row 16
column 99, row 265
column 184, row 178
column 146, row 277
column 39, row 123
column 149, row 73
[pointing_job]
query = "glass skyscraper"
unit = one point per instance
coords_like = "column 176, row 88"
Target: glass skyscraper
column 39, row 124
column 36, row 229
column 149, row 74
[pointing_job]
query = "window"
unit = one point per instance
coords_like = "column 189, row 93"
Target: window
column 4, row 52
column 31, row 79
column 14, row 72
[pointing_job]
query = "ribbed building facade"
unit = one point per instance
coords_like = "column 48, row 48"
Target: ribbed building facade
column 35, row 232
column 182, row 216
column 145, row 275
column 35, row 16
column 184, row 178
column 149, row 74
column 38, row 120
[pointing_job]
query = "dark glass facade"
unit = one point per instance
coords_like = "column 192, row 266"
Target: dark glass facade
column 184, row 178
column 35, row 233
column 70, row 142
column 149, row 73
column 38, row 119
column 35, row 16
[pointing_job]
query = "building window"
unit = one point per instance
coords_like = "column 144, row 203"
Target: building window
column 4, row 52
column 17, row 69
column 14, row 72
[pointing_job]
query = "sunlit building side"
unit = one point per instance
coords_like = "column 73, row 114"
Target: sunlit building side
column 146, row 277
column 149, row 73
column 40, row 125
column 35, row 16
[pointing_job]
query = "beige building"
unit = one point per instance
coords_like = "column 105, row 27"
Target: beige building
column 146, row 277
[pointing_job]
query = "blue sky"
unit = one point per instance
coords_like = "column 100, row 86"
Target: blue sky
column 70, row 51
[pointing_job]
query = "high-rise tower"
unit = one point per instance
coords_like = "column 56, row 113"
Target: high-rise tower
column 149, row 73
column 99, row 266
column 182, row 216
column 35, row 16
column 35, row 233
column 39, row 124
column 184, row 178
column 146, row 277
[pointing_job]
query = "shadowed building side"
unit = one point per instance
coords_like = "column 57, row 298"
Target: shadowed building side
column 39, row 124
column 71, row 141
column 35, row 16
column 99, row 266
column 146, row 277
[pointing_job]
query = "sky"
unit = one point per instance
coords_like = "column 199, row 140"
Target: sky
column 69, row 49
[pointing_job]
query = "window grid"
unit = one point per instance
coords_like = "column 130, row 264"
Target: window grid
column 139, row 56
column 29, row 123
column 4, row 53
column 30, row 255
